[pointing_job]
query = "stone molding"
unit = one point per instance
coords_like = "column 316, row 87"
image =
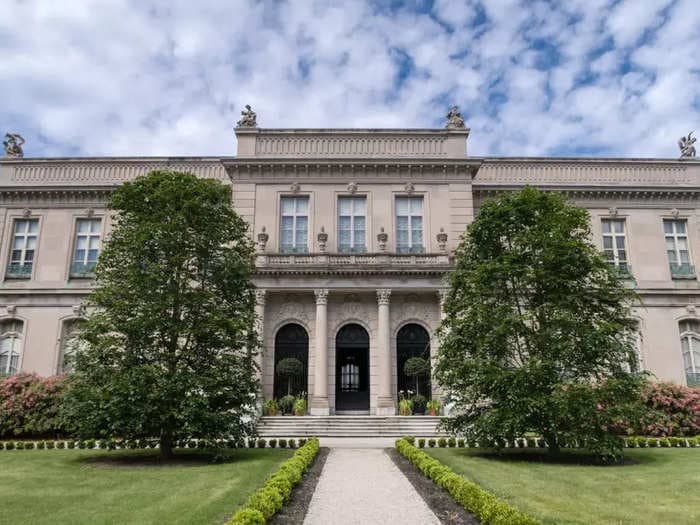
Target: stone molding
column 383, row 296
column 41, row 197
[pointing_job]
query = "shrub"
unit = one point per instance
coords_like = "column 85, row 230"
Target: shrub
column 410, row 439
column 672, row 410
column 452, row 442
column 273, row 443
column 405, row 407
column 302, row 442
column 300, row 406
column 251, row 443
column 60, row 444
column 283, row 443
column 664, row 443
column 71, row 444
column 485, row 506
column 419, row 403
column 292, row 443
column 9, row 445
column 271, row 407
column 433, row 407
column 19, row 445
column 248, row 517
column 82, row 444
column 30, row 405
column 431, row 443
column 652, row 443
column 262, row 443
column 50, row 445
column 421, row 442
column 461, row 443
column 442, row 443
column 286, row 404
column 41, row 445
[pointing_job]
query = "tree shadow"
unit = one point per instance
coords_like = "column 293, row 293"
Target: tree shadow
column 181, row 458
column 569, row 457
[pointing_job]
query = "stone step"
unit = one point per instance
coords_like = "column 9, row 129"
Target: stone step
column 348, row 426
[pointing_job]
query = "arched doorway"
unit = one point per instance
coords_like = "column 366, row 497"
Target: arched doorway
column 412, row 341
column 352, row 368
column 291, row 341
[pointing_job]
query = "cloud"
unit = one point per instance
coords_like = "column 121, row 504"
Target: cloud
column 127, row 77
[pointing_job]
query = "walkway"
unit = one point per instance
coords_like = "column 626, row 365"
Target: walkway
column 364, row 487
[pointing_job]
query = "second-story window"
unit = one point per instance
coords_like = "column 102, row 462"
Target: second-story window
column 87, row 247
column 614, row 243
column 294, row 224
column 676, row 233
column 409, row 225
column 351, row 224
column 25, row 234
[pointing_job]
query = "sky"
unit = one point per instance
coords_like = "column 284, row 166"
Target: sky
column 600, row 78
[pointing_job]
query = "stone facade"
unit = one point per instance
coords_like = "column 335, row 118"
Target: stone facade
column 383, row 283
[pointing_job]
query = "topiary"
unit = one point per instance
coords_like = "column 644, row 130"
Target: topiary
column 416, row 367
column 461, row 443
column 283, row 443
column 273, row 443
column 247, row 517
column 431, row 443
column 421, row 442
column 292, row 443
column 442, row 443
column 262, row 443
column 286, row 404
column 289, row 368
column 452, row 442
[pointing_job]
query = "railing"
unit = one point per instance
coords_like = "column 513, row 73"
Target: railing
column 682, row 271
column 692, row 378
column 19, row 271
column 357, row 259
column 79, row 270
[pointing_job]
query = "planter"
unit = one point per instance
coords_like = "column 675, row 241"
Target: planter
column 432, row 412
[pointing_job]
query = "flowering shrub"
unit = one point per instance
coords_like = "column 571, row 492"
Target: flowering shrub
column 29, row 405
column 673, row 410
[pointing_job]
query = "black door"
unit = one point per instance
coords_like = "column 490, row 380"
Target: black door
column 352, row 368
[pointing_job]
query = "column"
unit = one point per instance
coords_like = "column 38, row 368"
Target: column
column 442, row 295
column 436, row 390
column 260, row 295
column 385, row 398
column 319, row 401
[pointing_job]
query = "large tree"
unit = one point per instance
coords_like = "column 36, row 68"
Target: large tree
column 168, row 348
column 538, row 334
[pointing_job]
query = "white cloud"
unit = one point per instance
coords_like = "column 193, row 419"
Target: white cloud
column 128, row 77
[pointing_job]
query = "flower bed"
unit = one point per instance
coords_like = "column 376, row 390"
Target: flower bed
column 269, row 498
column 485, row 506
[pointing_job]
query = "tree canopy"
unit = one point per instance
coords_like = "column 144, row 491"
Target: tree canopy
column 538, row 334
column 169, row 344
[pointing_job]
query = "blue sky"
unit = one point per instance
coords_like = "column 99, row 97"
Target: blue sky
column 532, row 78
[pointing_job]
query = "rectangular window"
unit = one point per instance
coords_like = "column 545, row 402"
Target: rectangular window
column 294, row 224
column 24, row 240
column 351, row 224
column 87, row 247
column 409, row 225
column 614, row 243
column 677, row 249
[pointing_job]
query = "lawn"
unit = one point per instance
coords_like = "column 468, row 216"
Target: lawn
column 81, row 486
column 662, row 486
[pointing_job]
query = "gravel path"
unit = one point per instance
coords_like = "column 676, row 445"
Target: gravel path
column 363, row 487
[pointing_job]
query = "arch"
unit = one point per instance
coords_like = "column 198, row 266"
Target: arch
column 291, row 341
column 689, row 329
column 412, row 340
column 352, row 368
column 68, row 343
column 11, row 345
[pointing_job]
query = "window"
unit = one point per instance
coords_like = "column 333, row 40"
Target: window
column 70, row 344
column 10, row 346
column 676, row 233
column 294, row 224
column 350, row 377
column 25, row 233
column 87, row 247
column 351, row 224
column 690, row 344
column 614, row 243
column 409, row 224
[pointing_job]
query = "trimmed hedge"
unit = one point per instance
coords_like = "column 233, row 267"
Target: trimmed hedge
column 133, row 444
column 269, row 498
column 485, row 506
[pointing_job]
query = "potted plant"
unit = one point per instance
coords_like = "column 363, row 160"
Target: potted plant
column 417, row 368
column 405, row 407
column 419, row 403
column 300, row 405
column 271, row 407
column 433, row 407
column 286, row 404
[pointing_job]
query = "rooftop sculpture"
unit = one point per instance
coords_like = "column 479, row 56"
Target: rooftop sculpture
column 248, row 118
column 455, row 119
column 686, row 146
column 13, row 145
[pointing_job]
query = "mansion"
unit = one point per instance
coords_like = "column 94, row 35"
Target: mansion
column 355, row 231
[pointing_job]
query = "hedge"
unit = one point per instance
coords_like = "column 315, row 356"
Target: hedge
column 269, row 498
column 488, row 509
column 119, row 444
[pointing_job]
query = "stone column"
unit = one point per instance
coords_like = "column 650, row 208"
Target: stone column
column 442, row 295
column 319, row 401
column 436, row 390
column 385, row 399
column 260, row 295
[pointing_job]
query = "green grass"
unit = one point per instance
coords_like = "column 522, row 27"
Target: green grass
column 96, row 487
column 662, row 486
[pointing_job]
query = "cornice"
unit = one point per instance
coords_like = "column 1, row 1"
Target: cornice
column 52, row 196
column 637, row 195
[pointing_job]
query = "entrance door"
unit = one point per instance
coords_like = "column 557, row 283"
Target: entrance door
column 352, row 368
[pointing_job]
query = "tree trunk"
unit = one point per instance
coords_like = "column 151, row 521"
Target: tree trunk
column 166, row 444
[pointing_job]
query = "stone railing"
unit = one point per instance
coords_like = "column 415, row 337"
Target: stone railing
column 340, row 261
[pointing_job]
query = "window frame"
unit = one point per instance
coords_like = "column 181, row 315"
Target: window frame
column 59, row 366
column 71, row 254
column 690, row 335
column 17, row 336
column 353, row 249
column 424, row 226
column 675, row 236
column 309, row 229
column 13, row 218
column 616, row 261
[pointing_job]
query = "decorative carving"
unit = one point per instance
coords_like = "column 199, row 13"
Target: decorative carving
column 295, row 187
column 382, row 238
column 26, row 212
column 79, row 310
column 263, row 237
column 675, row 213
column 11, row 309
column 321, row 295
column 690, row 309
column 293, row 307
column 13, row 145
column 352, row 187
column 454, row 119
column 351, row 305
column 686, row 146
column 90, row 212
column 613, row 212
column 260, row 295
column 383, row 295
column 442, row 240
column 322, row 239
column 249, row 119
column 409, row 188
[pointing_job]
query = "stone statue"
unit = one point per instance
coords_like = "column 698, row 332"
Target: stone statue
column 686, row 146
column 248, row 118
column 13, row 145
column 455, row 119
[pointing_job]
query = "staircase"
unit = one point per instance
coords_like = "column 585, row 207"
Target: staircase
column 348, row 426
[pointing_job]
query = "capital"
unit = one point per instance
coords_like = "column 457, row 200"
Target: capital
column 321, row 295
column 260, row 294
column 383, row 295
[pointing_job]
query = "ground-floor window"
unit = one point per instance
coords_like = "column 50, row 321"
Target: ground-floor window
column 291, row 343
column 690, row 343
column 10, row 346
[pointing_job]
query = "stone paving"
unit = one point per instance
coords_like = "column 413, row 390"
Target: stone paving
column 362, row 486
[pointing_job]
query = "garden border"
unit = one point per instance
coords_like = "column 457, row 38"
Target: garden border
column 142, row 444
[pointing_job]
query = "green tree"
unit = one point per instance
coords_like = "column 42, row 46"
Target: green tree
column 417, row 368
column 289, row 368
column 538, row 335
column 169, row 346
